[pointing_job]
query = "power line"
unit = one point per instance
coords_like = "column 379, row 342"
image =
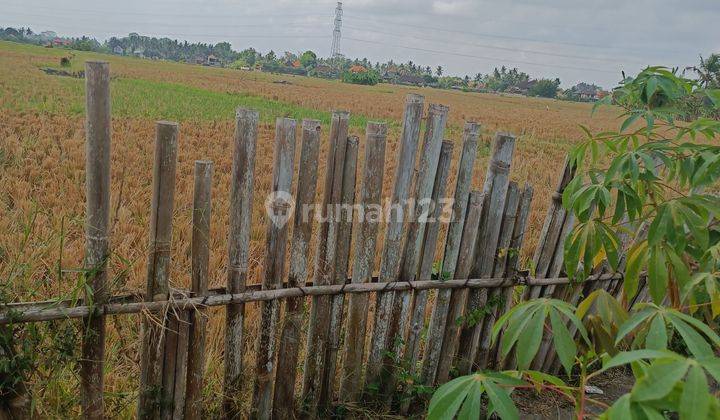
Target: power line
column 171, row 25
column 480, row 57
column 494, row 47
column 496, row 36
column 174, row 15
column 226, row 36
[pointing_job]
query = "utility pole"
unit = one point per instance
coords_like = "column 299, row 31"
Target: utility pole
column 335, row 50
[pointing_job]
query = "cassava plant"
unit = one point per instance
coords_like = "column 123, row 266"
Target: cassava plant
column 645, row 202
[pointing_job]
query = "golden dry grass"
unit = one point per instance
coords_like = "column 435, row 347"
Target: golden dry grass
column 42, row 167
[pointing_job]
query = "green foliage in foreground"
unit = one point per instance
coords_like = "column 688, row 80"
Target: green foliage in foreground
column 642, row 191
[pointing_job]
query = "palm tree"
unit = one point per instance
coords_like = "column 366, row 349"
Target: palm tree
column 708, row 71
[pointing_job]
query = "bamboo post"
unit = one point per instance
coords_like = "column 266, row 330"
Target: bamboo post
column 551, row 232
column 97, row 214
column 278, row 207
column 495, row 189
column 241, row 192
column 386, row 324
column 174, row 365
column 513, row 257
column 439, row 315
column 341, row 265
column 197, row 319
column 424, row 182
column 152, row 389
column 432, row 231
column 549, row 254
column 503, row 245
column 419, row 213
column 364, row 256
column 289, row 346
column 458, row 298
column 319, row 328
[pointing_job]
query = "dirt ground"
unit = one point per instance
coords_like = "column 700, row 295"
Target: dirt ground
column 549, row 405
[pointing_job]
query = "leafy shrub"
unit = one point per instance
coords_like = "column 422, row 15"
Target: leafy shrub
column 369, row 77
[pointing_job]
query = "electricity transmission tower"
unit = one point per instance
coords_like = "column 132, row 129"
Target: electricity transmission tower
column 335, row 50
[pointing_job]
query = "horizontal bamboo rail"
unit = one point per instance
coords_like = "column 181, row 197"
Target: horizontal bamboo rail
column 11, row 316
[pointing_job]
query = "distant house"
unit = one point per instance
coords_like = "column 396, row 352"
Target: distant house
column 522, row 87
column 410, row 80
column 587, row 92
column 140, row 52
column 118, row 50
column 358, row 69
column 59, row 42
column 324, row 71
column 213, row 61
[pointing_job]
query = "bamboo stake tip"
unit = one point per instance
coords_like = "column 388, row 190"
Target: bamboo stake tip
column 472, row 127
column 505, row 136
column 246, row 114
column 438, row 108
column 96, row 63
column 284, row 121
column 203, row 162
column 376, row 128
column 308, row 124
column 414, row 98
column 168, row 124
column 353, row 141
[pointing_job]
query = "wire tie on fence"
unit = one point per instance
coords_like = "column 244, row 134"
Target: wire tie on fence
column 500, row 167
column 160, row 246
column 557, row 196
column 302, row 290
column 236, row 268
column 96, row 238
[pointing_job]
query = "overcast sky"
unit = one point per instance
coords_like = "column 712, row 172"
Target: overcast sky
column 575, row 40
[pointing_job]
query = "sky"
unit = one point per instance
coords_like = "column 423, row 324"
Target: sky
column 574, row 40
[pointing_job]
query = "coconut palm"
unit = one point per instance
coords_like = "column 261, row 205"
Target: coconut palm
column 708, row 71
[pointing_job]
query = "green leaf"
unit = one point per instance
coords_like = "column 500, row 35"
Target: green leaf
column 529, row 340
column 636, row 259
column 564, row 343
column 695, row 399
column 628, row 122
column 694, row 341
column 712, row 365
column 447, row 399
column 698, row 325
column 656, row 338
column 501, row 402
column 661, row 378
column 620, row 409
column 471, row 408
column 633, row 322
column 657, row 274
column 625, row 357
column 516, row 327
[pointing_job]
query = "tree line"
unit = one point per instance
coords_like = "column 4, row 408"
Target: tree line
column 351, row 70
